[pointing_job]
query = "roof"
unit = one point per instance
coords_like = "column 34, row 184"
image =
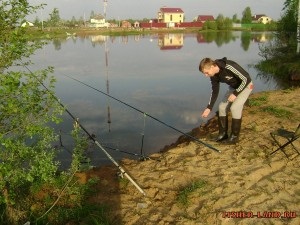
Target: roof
column 171, row 10
column 205, row 18
column 98, row 17
column 256, row 17
column 171, row 47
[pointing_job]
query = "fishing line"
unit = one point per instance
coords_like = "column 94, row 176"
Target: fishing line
column 143, row 135
column 108, row 147
column 130, row 106
column 123, row 172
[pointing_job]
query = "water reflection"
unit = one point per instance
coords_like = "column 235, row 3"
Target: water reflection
column 145, row 72
column 170, row 41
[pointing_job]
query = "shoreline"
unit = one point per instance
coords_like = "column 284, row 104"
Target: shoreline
column 189, row 184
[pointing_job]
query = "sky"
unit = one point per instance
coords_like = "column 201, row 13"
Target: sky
column 139, row 9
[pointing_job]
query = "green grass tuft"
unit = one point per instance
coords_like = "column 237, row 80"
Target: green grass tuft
column 278, row 112
column 183, row 196
column 258, row 101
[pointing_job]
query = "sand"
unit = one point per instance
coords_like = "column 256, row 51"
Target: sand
column 188, row 183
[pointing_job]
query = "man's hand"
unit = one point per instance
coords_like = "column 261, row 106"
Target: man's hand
column 231, row 98
column 205, row 113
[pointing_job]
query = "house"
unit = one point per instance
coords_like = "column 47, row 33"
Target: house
column 261, row 19
column 126, row 24
column 204, row 18
column 27, row 24
column 170, row 16
column 98, row 21
column 136, row 24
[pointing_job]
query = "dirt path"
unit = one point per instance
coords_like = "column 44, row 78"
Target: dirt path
column 190, row 184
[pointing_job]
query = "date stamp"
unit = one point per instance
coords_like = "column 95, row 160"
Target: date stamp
column 263, row 214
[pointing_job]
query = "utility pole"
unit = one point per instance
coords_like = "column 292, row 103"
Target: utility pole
column 105, row 5
column 42, row 20
column 298, row 29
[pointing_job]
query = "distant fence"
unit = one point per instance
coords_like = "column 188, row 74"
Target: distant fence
column 165, row 25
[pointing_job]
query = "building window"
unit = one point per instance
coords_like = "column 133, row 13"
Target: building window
column 171, row 17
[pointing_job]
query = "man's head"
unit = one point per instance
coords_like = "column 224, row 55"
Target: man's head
column 208, row 67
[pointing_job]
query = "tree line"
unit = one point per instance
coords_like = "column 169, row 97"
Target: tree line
column 31, row 182
column 221, row 22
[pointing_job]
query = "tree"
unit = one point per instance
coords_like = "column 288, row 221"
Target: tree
column 27, row 108
column 223, row 23
column 220, row 22
column 210, row 25
column 54, row 18
column 92, row 14
column 73, row 21
column 288, row 21
column 235, row 19
column 25, row 152
column 36, row 21
column 247, row 16
column 281, row 57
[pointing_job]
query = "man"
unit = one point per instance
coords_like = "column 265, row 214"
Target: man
column 240, row 87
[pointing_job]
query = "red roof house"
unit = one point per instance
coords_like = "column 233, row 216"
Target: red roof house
column 204, row 18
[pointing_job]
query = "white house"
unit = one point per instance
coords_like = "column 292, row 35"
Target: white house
column 27, row 24
column 98, row 21
column 261, row 19
column 264, row 19
column 171, row 16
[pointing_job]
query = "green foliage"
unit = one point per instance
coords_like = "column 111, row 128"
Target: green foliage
column 54, row 18
column 261, row 100
column 79, row 161
column 247, row 15
column 280, row 56
column 210, row 25
column 183, row 196
column 29, row 179
column 288, row 21
column 26, row 152
column 223, row 23
column 86, row 214
column 277, row 111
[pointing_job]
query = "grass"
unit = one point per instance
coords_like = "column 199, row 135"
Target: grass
column 277, row 111
column 259, row 100
column 262, row 101
column 183, row 196
column 86, row 214
column 123, row 182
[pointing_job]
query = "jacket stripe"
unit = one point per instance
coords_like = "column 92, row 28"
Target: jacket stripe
column 240, row 75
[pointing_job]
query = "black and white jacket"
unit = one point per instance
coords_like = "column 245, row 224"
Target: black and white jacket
column 230, row 73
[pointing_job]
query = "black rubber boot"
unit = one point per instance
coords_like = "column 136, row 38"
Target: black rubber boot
column 235, row 132
column 223, row 128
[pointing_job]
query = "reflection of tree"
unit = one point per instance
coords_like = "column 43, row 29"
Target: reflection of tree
column 223, row 38
column 57, row 44
column 210, row 36
column 206, row 37
column 267, row 78
column 219, row 38
column 245, row 40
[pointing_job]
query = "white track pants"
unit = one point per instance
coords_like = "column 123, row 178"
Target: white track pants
column 236, row 107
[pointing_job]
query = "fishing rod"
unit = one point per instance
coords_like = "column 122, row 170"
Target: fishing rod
column 130, row 106
column 142, row 156
column 123, row 172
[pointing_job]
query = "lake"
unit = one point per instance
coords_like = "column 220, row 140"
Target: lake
column 156, row 74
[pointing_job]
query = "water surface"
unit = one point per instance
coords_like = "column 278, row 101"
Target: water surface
column 157, row 74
